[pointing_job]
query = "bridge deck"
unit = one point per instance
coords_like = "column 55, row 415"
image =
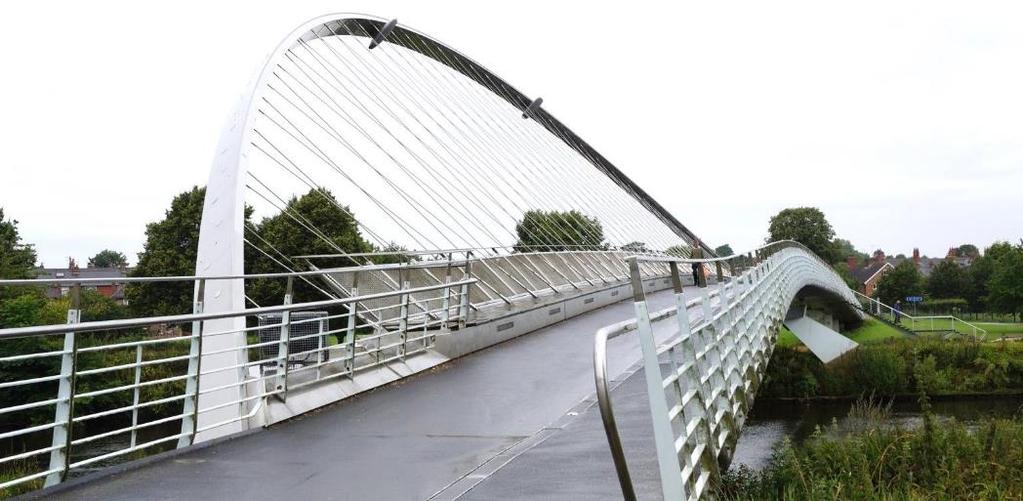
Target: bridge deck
column 436, row 435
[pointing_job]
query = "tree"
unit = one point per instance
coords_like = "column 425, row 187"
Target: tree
column 724, row 250
column 980, row 272
column 843, row 249
column 638, row 247
column 17, row 259
column 319, row 210
column 842, row 270
column 108, row 259
column 895, row 285
column 170, row 249
column 679, row 250
column 558, row 231
column 967, row 250
column 948, row 280
column 1006, row 285
column 806, row 225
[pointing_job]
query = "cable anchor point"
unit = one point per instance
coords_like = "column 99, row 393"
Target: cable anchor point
column 532, row 108
column 382, row 34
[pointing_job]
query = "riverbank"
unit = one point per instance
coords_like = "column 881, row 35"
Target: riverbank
column 897, row 366
column 950, row 450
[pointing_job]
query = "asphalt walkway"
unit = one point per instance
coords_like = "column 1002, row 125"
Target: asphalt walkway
column 508, row 422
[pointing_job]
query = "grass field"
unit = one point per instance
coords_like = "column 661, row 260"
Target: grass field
column 994, row 330
column 871, row 331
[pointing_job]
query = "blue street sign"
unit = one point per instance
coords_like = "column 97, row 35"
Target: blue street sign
column 914, row 299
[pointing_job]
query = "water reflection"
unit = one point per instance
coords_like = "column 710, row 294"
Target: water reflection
column 772, row 421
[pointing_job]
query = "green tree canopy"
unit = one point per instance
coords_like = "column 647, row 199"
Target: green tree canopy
column 17, row 259
column 903, row 281
column 635, row 247
column 170, row 249
column 843, row 271
column 1005, row 289
column 723, row 250
column 316, row 209
column 806, row 225
column 980, row 272
column 108, row 259
column 679, row 250
column 948, row 280
column 557, row 231
column 843, row 248
column 967, row 250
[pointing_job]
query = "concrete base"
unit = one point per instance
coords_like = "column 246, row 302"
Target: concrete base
column 821, row 339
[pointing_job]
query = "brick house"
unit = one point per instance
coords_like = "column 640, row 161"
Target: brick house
column 868, row 275
column 109, row 286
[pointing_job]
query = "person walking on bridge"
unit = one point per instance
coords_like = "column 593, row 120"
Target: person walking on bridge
column 696, row 253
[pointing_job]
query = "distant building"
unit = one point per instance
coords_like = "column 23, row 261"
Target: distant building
column 962, row 261
column 111, row 287
column 925, row 265
column 868, row 275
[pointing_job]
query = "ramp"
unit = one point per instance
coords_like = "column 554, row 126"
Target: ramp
column 821, row 339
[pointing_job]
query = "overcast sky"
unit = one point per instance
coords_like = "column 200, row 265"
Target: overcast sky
column 902, row 121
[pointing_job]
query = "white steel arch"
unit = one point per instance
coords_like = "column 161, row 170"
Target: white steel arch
column 221, row 249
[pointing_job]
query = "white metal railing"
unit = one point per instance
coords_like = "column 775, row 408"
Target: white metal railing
column 504, row 277
column 112, row 371
column 115, row 387
column 917, row 323
column 701, row 382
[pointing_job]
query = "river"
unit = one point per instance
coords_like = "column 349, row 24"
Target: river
column 771, row 421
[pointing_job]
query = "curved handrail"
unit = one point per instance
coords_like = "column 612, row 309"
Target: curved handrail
column 754, row 251
column 603, row 335
column 607, row 416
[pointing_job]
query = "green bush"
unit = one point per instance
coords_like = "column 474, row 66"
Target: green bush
column 883, row 462
column 897, row 366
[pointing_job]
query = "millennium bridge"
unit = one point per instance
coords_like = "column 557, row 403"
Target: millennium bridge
column 465, row 354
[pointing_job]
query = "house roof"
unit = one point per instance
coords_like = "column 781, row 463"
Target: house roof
column 863, row 273
column 111, row 273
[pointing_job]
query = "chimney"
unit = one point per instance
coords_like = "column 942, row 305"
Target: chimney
column 916, row 257
column 73, row 267
column 879, row 256
column 850, row 261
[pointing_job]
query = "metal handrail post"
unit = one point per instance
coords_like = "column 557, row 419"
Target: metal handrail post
column 190, row 411
column 403, row 321
column 667, row 458
column 446, row 316
column 350, row 330
column 284, row 346
column 463, row 300
column 60, row 456
column 135, row 395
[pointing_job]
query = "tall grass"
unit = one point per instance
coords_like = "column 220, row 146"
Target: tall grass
column 883, row 461
column 14, row 470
